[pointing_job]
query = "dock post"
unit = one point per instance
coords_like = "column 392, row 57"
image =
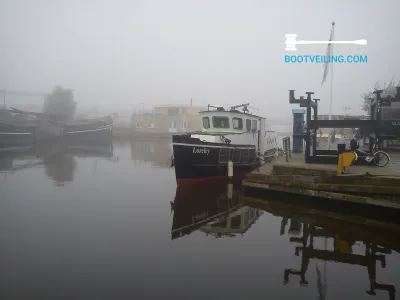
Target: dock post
column 341, row 148
column 340, row 165
column 298, row 130
column 308, row 127
column 289, row 147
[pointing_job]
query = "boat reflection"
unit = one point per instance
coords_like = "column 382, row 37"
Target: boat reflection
column 213, row 209
column 326, row 236
column 58, row 160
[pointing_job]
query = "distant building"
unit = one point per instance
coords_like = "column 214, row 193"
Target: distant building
column 392, row 112
column 166, row 120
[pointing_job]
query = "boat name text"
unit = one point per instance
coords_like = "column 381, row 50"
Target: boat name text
column 200, row 216
column 201, row 151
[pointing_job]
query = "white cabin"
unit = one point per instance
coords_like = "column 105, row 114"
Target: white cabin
column 241, row 128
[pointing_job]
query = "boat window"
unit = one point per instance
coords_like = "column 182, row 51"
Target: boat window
column 252, row 157
column 206, row 122
column 254, row 125
column 248, row 125
column 220, row 122
column 245, row 155
column 235, row 222
column 236, row 154
column 224, row 154
column 237, row 123
column 221, row 224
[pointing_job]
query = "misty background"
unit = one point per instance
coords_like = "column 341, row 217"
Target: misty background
column 118, row 54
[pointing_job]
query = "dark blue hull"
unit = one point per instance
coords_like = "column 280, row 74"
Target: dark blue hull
column 196, row 161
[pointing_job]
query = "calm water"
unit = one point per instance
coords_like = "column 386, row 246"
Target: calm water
column 110, row 224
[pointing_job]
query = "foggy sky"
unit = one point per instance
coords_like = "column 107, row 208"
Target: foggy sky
column 121, row 53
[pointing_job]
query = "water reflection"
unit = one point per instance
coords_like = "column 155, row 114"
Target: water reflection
column 60, row 167
column 58, row 160
column 155, row 151
column 342, row 252
column 316, row 235
column 213, row 209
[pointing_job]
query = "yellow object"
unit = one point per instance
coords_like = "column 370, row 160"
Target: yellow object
column 348, row 158
column 342, row 246
column 345, row 160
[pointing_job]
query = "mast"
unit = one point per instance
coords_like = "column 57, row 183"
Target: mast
column 329, row 63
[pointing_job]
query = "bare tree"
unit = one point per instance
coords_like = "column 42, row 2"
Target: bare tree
column 339, row 131
column 389, row 89
column 60, row 103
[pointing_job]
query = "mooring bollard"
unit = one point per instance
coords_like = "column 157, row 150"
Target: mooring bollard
column 230, row 169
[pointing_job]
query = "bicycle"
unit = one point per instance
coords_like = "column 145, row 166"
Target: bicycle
column 380, row 158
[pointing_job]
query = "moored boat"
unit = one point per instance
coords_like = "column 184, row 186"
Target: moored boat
column 89, row 130
column 227, row 136
column 14, row 134
column 86, row 130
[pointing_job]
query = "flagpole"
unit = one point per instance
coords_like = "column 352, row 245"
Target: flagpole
column 329, row 143
column 331, row 91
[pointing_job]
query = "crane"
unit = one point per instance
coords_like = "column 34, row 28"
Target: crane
column 20, row 93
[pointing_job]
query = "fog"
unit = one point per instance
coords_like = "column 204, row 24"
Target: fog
column 118, row 54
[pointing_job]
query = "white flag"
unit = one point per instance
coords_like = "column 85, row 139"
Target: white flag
column 329, row 52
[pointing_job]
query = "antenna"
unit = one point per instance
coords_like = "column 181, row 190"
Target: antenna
column 245, row 107
column 218, row 107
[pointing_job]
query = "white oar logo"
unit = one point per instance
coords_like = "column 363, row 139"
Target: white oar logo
column 291, row 42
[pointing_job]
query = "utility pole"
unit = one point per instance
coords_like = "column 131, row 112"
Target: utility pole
column 346, row 108
column 142, row 108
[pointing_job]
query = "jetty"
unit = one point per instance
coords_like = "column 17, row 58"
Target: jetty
column 363, row 184
column 306, row 170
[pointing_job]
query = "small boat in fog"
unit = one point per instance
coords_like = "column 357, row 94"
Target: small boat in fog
column 89, row 130
column 43, row 126
column 227, row 136
column 15, row 132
